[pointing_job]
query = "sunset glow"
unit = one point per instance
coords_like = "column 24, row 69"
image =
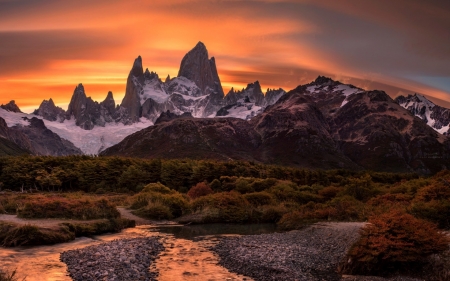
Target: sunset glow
column 48, row 48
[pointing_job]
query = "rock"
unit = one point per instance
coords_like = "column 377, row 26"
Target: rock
column 49, row 111
column 89, row 113
column 128, row 259
column 131, row 101
column 11, row 106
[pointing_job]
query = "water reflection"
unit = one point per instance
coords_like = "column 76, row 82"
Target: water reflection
column 181, row 256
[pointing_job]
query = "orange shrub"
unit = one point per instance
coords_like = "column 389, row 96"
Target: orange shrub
column 199, row 190
column 393, row 241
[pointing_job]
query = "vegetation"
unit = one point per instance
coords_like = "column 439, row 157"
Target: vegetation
column 12, row 235
column 394, row 241
column 406, row 212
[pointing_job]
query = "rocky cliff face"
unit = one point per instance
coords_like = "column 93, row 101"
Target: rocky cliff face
column 42, row 141
column 324, row 124
column 7, row 146
column 89, row 113
column 435, row 116
column 11, row 106
column 33, row 138
column 49, row 111
column 196, row 90
column 131, row 101
column 248, row 102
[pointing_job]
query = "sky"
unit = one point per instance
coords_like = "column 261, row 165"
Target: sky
column 47, row 47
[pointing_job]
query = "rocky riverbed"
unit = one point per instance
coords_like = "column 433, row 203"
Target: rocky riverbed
column 126, row 259
column 309, row 254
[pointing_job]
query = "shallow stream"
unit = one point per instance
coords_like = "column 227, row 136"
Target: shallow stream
column 186, row 256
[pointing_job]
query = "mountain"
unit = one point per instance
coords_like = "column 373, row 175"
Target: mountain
column 196, row 89
column 49, row 111
column 435, row 116
column 8, row 147
column 248, row 102
column 32, row 136
column 324, row 124
column 11, row 106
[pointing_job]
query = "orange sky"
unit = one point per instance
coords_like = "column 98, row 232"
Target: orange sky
column 48, row 47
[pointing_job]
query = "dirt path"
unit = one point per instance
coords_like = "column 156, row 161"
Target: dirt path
column 125, row 213
column 43, row 223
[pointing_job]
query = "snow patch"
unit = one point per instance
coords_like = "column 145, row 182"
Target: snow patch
column 155, row 90
column 347, row 91
column 243, row 110
column 89, row 141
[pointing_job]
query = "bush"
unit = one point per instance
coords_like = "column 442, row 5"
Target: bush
column 293, row 220
column 437, row 211
column 59, row 207
column 158, row 188
column 329, row 192
column 27, row 235
column 393, row 241
column 259, row 198
column 148, row 202
column 224, row 207
column 199, row 190
column 154, row 210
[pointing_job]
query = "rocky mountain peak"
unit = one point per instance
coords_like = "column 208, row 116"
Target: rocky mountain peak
column 79, row 91
column 167, row 79
column 49, row 111
column 11, row 106
column 196, row 67
column 323, row 80
column 150, row 75
column 137, row 69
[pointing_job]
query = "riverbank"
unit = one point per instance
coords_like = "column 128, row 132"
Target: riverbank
column 313, row 253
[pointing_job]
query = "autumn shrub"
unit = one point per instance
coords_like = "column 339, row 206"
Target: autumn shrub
column 98, row 227
column 329, row 192
column 199, row 190
column 391, row 242
column 259, row 198
column 60, row 207
column 387, row 202
column 27, row 235
column 272, row 213
column 243, row 186
column 158, row 188
column 284, row 190
column 263, row 184
column 346, row 208
column 437, row 211
column 157, row 201
column 224, row 207
column 294, row 220
column 216, row 185
column 361, row 188
column 154, row 210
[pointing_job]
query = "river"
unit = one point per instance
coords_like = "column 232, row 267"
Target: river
column 186, row 255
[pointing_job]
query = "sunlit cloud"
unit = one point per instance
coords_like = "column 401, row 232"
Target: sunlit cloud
column 50, row 46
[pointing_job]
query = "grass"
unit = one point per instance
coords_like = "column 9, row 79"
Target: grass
column 13, row 235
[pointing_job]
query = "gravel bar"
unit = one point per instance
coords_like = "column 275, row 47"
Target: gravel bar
column 117, row 260
column 309, row 254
